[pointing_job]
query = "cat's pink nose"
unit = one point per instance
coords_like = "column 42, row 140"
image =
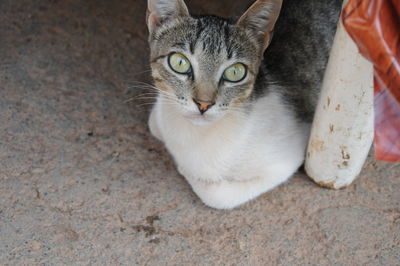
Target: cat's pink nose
column 203, row 105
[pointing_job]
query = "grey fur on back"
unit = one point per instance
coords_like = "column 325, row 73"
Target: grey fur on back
column 298, row 53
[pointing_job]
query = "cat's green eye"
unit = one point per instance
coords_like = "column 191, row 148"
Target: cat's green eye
column 235, row 73
column 179, row 63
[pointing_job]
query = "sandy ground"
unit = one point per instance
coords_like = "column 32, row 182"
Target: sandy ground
column 82, row 182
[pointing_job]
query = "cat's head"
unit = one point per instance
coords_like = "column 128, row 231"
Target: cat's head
column 206, row 66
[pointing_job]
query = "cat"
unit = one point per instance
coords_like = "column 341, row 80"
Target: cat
column 235, row 115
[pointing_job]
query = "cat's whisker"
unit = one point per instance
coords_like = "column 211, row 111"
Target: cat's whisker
column 155, row 97
column 141, row 72
column 148, row 94
column 141, row 83
column 164, row 94
column 151, row 98
column 153, row 88
column 143, row 87
column 144, row 98
column 149, row 87
column 152, row 103
column 144, row 104
column 138, row 81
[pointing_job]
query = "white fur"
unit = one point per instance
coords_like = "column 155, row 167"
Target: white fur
column 233, row 159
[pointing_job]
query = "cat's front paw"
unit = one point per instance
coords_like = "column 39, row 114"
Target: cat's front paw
column 227, row 194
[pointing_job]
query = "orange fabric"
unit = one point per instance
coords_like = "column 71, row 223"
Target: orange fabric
column 374, row 25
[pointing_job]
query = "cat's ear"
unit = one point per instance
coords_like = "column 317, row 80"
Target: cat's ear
column 260, row 20
column 160, row 11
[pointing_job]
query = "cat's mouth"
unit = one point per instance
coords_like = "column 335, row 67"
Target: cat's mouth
column 198, row 119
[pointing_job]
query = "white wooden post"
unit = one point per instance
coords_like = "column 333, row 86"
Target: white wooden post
column 342, row 131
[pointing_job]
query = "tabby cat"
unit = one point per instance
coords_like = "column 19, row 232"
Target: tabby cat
column 235, row 115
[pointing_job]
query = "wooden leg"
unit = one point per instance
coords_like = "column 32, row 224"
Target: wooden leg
column 342, row 131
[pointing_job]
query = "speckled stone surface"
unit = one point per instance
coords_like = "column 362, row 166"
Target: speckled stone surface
column 82, row 182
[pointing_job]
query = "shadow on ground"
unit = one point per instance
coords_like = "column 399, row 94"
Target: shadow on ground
column 83, row 182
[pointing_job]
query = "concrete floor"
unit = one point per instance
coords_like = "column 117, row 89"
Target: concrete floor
column 82, row 181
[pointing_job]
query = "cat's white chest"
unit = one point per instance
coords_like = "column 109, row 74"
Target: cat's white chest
column 208, row 153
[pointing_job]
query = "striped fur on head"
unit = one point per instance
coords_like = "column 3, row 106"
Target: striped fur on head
column 211, row 44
